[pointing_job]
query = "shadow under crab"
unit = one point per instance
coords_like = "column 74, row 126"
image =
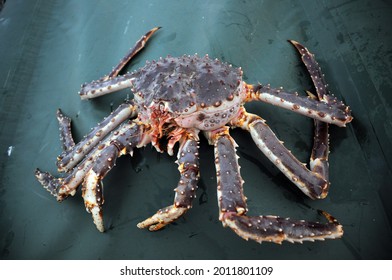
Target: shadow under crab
column 176, row 98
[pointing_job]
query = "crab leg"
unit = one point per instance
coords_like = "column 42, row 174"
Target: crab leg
column 131, row 53
column 99, row 88
column 233, row 208
column 72, row 156
column 188, row 165
column 65, row 131
column 92, row 190
column 65, row 186
column 315, row 73
column 320, row 151
column 112, row 82
column 324, row 108
column 332, row 111
column 327, row 108
column 229, row 181
column 277, row 229
column 312, row 183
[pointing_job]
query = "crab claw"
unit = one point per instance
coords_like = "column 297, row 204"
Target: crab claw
column 162, row 218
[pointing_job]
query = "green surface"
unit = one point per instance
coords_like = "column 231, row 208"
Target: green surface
column 48, row 48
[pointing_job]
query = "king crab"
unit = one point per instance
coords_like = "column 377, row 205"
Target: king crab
column 176, row 98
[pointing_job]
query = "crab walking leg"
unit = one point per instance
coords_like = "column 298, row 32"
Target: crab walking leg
column 131, row 53
column 315, row 73
column 320, row 150
column 327, row 108
column 112, row 82
column 229, row 181
column 233, row 208
column 64, row 186
column 92, row 190
column 332, row 111
column 188, row 165
column 319, row 156
column 65, row 131
column 99, row 88
column 311, row 183
column 277, row 229
column 324, row 108
column 71, row 157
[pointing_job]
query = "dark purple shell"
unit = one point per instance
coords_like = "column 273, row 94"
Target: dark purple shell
column 187, row 80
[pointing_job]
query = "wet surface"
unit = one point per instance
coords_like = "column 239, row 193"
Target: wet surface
column 48, row 49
